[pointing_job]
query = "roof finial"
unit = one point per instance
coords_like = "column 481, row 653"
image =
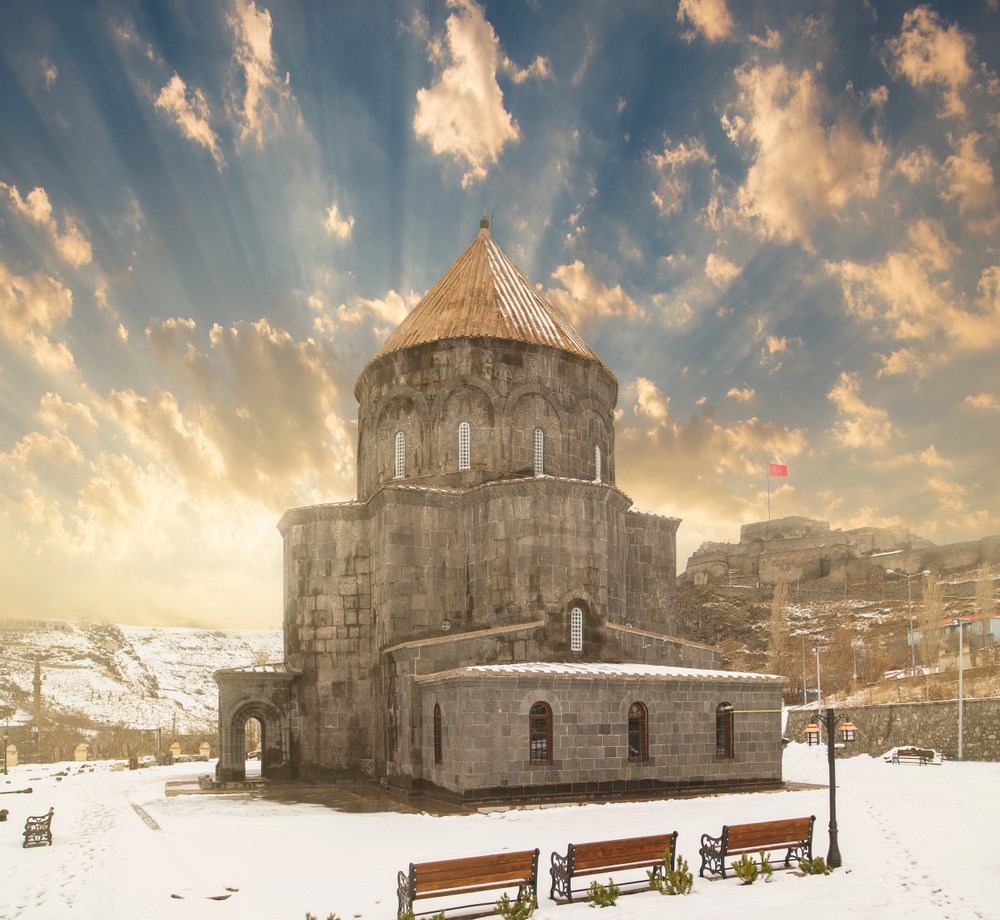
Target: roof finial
column 484, row 224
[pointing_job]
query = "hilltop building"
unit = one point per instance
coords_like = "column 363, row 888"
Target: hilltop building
column 490, row 618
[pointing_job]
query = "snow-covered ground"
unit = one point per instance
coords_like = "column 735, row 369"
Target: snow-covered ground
column 917, row 842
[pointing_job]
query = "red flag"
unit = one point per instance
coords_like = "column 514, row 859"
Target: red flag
column 777, row 469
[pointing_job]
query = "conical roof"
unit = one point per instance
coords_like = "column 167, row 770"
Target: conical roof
column 485, row 295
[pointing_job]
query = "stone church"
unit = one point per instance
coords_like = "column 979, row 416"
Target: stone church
column 491, row 618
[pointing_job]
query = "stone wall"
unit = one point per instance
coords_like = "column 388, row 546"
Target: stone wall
column 485, row 735
column 929, row 725
column 503, row 390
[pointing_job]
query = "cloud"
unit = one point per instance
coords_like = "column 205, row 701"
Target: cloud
column 337, row 226
column 233, row 434
column 987, row 401
column 928, row 459
column 31, row 306
column 746, row 395
column 901, row 361
column 583, row 298
column 720, row 270
column 968, row 178
column 60, row 415
column 50, row 72
column 916, row 165
column 72, row 244
column 462, row 113
column 264, row 91
column 910, row 295
column 674, row 166
column 191, row 114
column 860, row 424
column 809, row 161
column 388, row 311
column 36, row 450
column 927, row 54
column 709, row 17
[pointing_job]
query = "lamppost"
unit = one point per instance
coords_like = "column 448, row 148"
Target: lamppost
column 819, row 691
column 961, row 671
column 909, row 606
column 830, row 721
column 5, row 752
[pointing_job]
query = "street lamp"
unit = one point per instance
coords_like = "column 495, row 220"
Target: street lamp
column 819, row 692
column 909, row 605
column 830, row 721
column 961, row 671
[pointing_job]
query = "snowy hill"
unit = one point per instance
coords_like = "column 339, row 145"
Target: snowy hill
column 139, row 677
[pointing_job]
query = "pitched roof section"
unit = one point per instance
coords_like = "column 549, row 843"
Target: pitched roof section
column 485, row 295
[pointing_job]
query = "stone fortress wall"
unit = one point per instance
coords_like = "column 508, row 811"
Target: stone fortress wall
column 824, row 560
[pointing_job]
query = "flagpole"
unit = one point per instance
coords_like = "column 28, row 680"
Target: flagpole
column 767, row 476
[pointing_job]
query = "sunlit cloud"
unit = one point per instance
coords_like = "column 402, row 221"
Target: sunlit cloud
column 709, row 18
column 860, row 424
column 987, row 401
column 810, row 157
column 337, row 225
column 190, row 112
column 927, row 53
column 72, row 244
column 968, row 179
column 264, row 92
column 720, row 270
column 584, row 298
column 673, row 166
column 462, row 113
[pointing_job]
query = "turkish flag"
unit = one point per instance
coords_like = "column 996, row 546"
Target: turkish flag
column 777, row 469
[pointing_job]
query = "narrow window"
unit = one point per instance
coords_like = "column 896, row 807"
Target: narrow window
column 400, row 471
column 576, row 630
column 597, row 464
column 540, row 734
column 724, row 731
column 437, row 733
column 539, row 463
column 464, row 452
column 638, row 737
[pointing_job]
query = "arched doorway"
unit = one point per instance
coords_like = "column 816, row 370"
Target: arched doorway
column 260, row 699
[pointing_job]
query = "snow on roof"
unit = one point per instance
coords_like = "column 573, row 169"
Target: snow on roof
column 277, row 667
column 625, row 669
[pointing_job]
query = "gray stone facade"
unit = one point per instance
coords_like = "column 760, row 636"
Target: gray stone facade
column 488, row 530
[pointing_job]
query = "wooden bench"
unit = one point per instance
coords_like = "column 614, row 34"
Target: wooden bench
column 913, row 755
column 610, row 856
column 38, row 830
column 494, row 872
column 794, row 835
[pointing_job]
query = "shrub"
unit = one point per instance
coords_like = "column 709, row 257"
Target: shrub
column 519, row 909
column 815, row 866
column 603, row 895
column 766, row 869
column 746, row 869
column 673, row 881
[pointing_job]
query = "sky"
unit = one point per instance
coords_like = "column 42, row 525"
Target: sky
column 122, row 849
column 777, row 222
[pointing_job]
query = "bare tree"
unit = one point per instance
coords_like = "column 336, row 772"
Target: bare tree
column 777, row 642
column 986, row 603
column 930, row 621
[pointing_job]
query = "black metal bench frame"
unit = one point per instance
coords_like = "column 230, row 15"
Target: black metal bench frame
column 650, row 853
column 38, row 830
column 492, row 872
column 794, row 835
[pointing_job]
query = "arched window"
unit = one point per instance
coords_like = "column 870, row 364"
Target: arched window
column 464, row 446
column 539, row 462
column 638, row 733
column 724, row 730
column 400, row 469
column 437, row 733
column 597, row 464
column 576, row 629
column 540, row 734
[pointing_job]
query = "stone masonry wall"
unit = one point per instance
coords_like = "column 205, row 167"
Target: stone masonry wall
column 485, row 735
column 504, row 390
column 928, row 725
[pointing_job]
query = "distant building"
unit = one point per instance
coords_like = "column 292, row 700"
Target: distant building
column 491, row 618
